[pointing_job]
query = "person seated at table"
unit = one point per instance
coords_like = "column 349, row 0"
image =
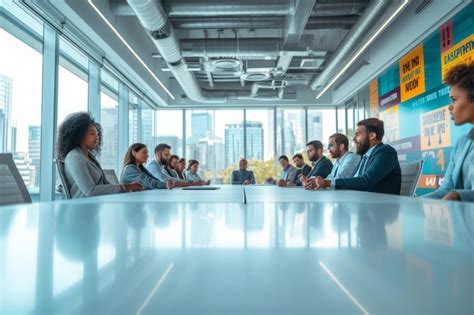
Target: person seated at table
column 134, row 171
column 379, row 169
column 287, row 174
column 181, row 168
column 322, row 166
column 303, row 169
column 157, row 167
column 345, row 161
column 242, row 176
column 171, row 167
column 458, row 181
column 192, row 173
column 79, row 139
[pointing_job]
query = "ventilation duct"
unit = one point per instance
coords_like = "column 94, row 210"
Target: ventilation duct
column 373, row 12
column 154, row 19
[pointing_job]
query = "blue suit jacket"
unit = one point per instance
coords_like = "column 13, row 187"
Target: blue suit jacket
column 382, row 173
column 323, row 168
column 453, row 176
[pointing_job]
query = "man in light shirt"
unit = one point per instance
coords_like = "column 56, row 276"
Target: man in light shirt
column 345, row 161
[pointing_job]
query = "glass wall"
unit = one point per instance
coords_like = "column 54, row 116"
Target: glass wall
column 72, row 80
column 291, row 131
column 148, row 128
column 321, row 124
column 169, row 130
column 20, row 104
column 109, row 156
column 133, row 106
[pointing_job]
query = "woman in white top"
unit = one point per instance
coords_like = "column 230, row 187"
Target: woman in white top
column 192, row 172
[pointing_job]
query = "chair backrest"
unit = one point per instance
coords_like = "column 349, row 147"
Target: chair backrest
column 111, row 176
column 13, row 189
column 411, row 172
column 62, row 177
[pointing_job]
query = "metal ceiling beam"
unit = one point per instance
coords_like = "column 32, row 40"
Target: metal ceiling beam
column 296, row 22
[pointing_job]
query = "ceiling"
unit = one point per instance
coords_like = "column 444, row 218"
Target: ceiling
column 247, row 51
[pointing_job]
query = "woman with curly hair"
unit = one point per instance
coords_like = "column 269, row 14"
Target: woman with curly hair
column 458, row 181
column 79, row 139
column 134, row 171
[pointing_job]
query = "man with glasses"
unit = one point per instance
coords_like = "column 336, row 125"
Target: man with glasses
column 346, row 162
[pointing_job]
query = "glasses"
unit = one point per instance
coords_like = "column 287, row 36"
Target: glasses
column 330, row 145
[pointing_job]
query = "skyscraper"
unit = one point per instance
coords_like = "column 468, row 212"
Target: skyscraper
column 34, row 153
column 109, row 122
column 201, row 124
column 234, row 142
column 315, row 126
column 211, row 152
column 26, row 170
column 5, row 113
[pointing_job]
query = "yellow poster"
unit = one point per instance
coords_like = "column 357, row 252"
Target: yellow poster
column 435, row 129
column 462, row 52
column 391, row 121
column 374, row 98
column 412, row 74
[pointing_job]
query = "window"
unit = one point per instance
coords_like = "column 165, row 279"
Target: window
column 133, row 107
column 261, row 143
column 321, row 124
column 148, row 129
column 20, row 93
column 291, row 131
column 341, row 120
column 109, row 121
column 72, row 81
column 216, row 139
column 169, row 130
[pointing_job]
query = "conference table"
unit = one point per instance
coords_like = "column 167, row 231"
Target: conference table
column 238, row 250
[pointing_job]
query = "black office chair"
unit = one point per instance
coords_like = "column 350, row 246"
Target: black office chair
column 13, row 189
column 63, row 187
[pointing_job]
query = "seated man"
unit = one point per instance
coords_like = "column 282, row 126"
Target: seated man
column 458, row 181
column 242, row 176
column 379, row 169
column 303, row 169
column 346, row 162
column 287, row 174
column 157, row 167
column 322, row 166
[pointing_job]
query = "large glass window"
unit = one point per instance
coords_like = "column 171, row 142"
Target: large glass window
column 133, row 135
column 321, row 124
column 341, row 120
column 148, row 128
column 20, row 105
column 109, row 121
column 291, row 131
column 169, row 130
column 72, row 81
column 216, row 139
column 261, row 143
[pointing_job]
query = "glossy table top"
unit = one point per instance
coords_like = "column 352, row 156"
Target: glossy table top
column 323, row 253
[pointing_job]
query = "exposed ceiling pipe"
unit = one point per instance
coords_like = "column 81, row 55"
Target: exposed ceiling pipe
column 154, row 19
column 228, row 7
column 373, row 12
column 150, row 11
column 248, row 47
column 335, row 22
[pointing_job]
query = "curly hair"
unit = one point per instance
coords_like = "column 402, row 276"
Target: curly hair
column 72, row 131
column 462, row 75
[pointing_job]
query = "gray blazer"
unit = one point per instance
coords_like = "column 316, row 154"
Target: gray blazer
column 85, row 177
column 131, row 173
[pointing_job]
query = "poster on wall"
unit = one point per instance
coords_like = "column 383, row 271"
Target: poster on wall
column 374, row 98
column 462, row 52
column 412, row 74
column 435, row 129
column 391, row 121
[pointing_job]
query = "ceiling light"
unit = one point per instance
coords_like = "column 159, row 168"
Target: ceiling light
column 131, row 49
column 363, row 48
